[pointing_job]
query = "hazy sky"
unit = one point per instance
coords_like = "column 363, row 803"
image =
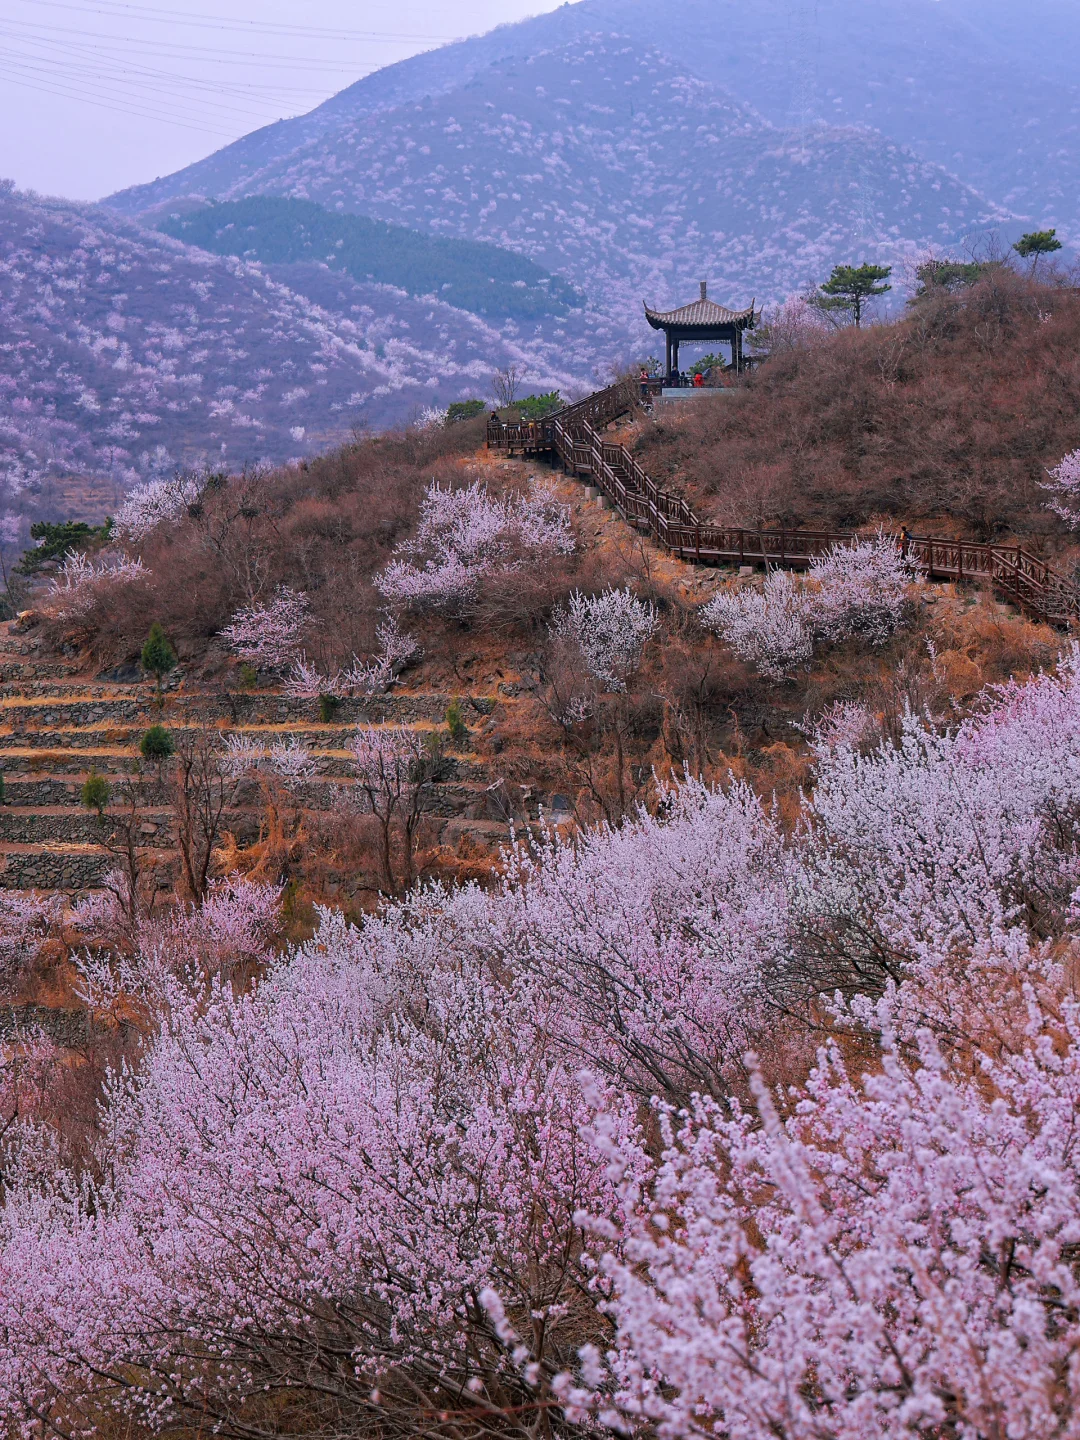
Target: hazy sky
column 99, row 94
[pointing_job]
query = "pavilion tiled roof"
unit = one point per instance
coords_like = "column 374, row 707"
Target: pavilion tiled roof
column 701, row 312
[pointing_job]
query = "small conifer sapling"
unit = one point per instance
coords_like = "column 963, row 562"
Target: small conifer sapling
column 157, row 744
column 95, row 793
column 158, row 656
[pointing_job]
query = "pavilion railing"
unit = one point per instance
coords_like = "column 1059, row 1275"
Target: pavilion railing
column 574, row 437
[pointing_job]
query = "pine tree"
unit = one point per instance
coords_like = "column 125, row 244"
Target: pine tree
column 849, row 287
column 158, row 656
column 1036, row 243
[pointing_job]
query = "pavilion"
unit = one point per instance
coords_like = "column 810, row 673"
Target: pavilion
column 705, row 321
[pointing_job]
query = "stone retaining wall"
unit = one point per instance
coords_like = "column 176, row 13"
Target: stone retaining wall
column 24, row 715
column 54, row 870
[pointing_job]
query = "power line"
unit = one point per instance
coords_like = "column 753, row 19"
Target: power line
column 169, row 47
column 119, row 9
column 55, row 88
column 148, row 77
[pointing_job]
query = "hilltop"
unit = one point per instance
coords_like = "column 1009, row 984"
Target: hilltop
column 977, row 88
column 948, row 419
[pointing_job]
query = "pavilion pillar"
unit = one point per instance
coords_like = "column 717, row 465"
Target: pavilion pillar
column 667, row 357
column 675, row 353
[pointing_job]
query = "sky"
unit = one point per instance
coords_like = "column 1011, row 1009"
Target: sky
column 99, row 94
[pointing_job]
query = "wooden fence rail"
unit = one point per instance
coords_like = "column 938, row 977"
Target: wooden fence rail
column 573, row 438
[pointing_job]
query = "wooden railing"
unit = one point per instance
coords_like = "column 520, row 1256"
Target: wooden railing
column 574, row 438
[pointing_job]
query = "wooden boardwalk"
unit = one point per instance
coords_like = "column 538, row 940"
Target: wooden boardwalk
column 574, row 438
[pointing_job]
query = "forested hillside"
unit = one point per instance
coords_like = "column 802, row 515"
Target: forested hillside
column 125, row 354
column 616, row 167
column 481, row 278
column 583, row 988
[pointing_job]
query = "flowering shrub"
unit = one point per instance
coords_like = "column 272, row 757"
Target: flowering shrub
column 851, row 590
column 767, row 627
column 156, row 501
column 288, row 759
column 466, row 535
column 669, row 925
column 279, row 1103
column 432, row 417
column 610, row 631
column 269, row 635
column 390, row 1152
column 80, row 581
column 373, row 677
column 25, row 921
column 891, row 1259
column 1064, row 488
column 859, row 590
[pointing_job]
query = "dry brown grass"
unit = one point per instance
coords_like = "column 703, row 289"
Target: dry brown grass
column 947, row 417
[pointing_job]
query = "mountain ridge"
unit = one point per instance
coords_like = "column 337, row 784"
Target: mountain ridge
column 967, row 85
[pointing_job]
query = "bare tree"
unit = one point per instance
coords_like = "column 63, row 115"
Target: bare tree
column 505, row 383
column 391, row 765
column 200, row 792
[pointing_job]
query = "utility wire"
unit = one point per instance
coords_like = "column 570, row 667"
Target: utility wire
column 169, row 47
column 47, row 88
column 119, row 9
column 148, row 78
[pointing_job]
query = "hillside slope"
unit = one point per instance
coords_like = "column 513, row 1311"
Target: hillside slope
column 124, row 352
column 484, row 279
column 947, row 419
column 978, row 88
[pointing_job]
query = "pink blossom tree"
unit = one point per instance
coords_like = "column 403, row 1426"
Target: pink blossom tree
column 1063, row 486
column 860, row 590
column 767, row 627
column 887, row 1255
column 269, row 635
column 609, row 631
column 466, row 535
column 155, row 502
column 26, row 921
column 657, row 935
column 80, row 581
column 354, row 1195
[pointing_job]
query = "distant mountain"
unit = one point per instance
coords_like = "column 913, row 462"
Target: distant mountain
column 985, row 88
column 612, row 165
column 481, row 278
column 124, row 352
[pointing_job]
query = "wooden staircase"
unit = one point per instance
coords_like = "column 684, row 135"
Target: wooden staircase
column 574, row 439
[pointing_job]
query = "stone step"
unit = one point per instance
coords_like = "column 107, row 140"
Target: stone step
column 18, row 644
column 321, row 792
column 65, row 825
column 70, row 765
column 14, row 690
column 63, row 762
column 68, row 1028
